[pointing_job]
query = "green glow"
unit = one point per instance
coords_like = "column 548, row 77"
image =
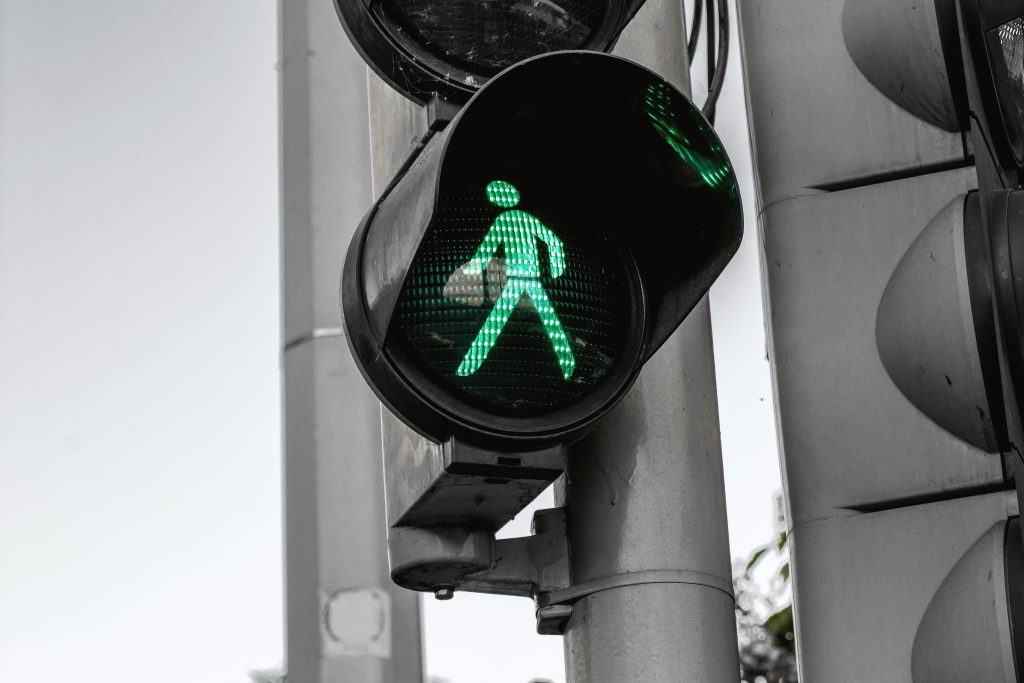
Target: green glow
column 658, row 106
column 518, row 232
column 502, row 194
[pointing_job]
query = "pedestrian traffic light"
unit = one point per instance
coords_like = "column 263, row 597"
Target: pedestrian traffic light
column 508, row 286
column 451, row 49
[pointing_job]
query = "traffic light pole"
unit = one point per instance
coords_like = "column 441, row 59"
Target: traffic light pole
column 644, row 493
column 345, row 618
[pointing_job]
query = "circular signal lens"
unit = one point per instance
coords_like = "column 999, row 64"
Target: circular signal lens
column 1006, row 49
column 485, row 36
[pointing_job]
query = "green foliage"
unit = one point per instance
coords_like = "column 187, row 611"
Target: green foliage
column 764, row 617
column 756, row 557
column 780, row 627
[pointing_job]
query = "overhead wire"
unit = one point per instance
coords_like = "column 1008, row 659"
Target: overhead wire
column 691, row 44
column 709, row 45
column 717, row 61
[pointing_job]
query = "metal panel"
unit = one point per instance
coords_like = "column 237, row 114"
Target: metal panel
column 928, row 338
column 863, row 583
column 816, row 120
column 964, row 634
column 850, row 438
column 459, row 483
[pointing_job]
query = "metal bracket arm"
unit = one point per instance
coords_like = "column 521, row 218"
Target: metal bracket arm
column 445, row 559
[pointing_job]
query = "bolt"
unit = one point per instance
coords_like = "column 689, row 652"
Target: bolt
column 445, row 593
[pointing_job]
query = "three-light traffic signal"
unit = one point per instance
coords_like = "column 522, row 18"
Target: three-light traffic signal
column 969, row 77
column 885, row 135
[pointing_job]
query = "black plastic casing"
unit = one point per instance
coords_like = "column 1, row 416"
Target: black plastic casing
column 421, row 77
column 979, row 18
column 665, row 284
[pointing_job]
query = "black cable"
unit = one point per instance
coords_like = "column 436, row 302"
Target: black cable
column 709, row 42
column 691, row 44
column 717, row 75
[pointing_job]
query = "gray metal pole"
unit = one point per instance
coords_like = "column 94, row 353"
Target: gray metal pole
column 644, row 493
column 346, row 620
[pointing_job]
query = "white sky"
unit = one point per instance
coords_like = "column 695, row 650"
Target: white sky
column 140, row 532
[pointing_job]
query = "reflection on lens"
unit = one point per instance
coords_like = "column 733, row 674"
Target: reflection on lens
column 485, row 36
column 1009, row 80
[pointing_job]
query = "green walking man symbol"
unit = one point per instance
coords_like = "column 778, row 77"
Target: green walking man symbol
column 518, row 231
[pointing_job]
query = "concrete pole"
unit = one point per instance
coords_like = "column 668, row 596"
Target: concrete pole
column 644, row 493
column 346, row 620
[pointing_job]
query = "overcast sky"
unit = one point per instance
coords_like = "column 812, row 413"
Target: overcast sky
column 140, row 533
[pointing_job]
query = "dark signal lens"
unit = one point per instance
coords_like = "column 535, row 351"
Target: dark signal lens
column 485, row 36
column 1006, row 50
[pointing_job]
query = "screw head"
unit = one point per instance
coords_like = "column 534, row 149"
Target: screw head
column 445, row 593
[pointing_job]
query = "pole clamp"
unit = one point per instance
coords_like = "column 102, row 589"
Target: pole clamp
column 574, row 593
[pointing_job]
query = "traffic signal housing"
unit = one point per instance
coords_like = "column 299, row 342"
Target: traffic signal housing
column 509, row 285
column 980, row 602
column 958, row 65
column 885, row 181
column 449, row 50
